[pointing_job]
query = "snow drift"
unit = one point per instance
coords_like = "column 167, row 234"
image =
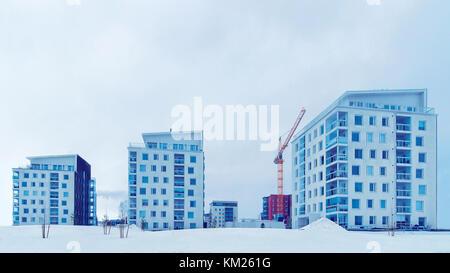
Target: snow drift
column 324, row 225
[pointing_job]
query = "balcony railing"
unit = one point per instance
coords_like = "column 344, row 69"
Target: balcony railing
column 403, row 160
column 336, row 174
column 336, row 157
column 403, row 209
column 336, row 191
column 403, row 193
column 337, row 207
column 403, row 127
column 403, row 176
column 404, row 143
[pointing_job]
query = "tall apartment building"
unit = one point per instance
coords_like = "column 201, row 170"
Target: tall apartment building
column 54, row 190
column 271, row 209
column 166, row 181
column 222, row 212
column 368, row 161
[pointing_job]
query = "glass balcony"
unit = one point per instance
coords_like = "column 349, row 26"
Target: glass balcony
column 404, row 143
column 403, row 193
column 403, row 160
column 403, row 127
column 403, row 176
column 337, row 207
column 403, row 209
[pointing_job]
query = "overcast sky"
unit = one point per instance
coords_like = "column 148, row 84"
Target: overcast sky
column 89, row 76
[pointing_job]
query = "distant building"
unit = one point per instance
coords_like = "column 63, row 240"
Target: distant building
column 207, row 220
column 369, row 160
column 53, row 190
column 255, row 223
column 166, row 181
column 222, row 212
column 272, row 211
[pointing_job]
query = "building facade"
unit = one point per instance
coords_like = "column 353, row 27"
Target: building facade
column 93, row 221
column 368, row 161
column 166, row 181
column 53, row 190
column 222, row 212
column 271, row 209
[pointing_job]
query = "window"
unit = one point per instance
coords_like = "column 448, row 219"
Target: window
column 142, row 168
column 422, row 157
column 372, row 120
column 355, row 203
column 419, row 141
column 155, row 179
column 358, row 220
column 422, row 189
column 383, row 204
column 155, row 157
column 190, row 215
column 369, row 203
column 382, row 171
column 385, row 187
column 193, row 159
column 385, row 154
column 372, row 220
column 190, row 192
column 192, row 204
column 419, row 205
column 358, row 154
column 385, row 122
column 419, row 173
column 372, row 187
column 370, row 170
column 373, row 154
column 355, row 136
column 382, row 138
column 385, row 220
column 145, row 179
column 358, row 120
column 192, row 181
column 190, row 170
column 369, row 137
column 66, row 177
column 142, row 191
column 144, row 156
column 358, row 187
column 422, row 125
column 355, row 170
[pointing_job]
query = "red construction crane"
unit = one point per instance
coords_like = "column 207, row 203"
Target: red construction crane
column 279, row 160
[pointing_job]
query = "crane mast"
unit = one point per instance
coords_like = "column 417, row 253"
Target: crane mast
column 279, row 161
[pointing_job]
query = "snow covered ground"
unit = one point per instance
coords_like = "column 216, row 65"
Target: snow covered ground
column 322, row 236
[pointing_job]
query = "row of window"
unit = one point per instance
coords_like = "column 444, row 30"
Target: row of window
column 54, row 167
column 175, row 146
column 163, row 214
column 40, row 202
column 163, row 191
column 25, row 184
column 53, row 220
column 43, row 193
column 143, row 168
column 356, row 204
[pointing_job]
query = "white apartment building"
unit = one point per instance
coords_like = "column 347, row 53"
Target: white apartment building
column 166, row 181
column 368, row 161
column 223, row 212
column 54, row 190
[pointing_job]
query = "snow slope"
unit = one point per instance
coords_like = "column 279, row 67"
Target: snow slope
column 318, row 237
